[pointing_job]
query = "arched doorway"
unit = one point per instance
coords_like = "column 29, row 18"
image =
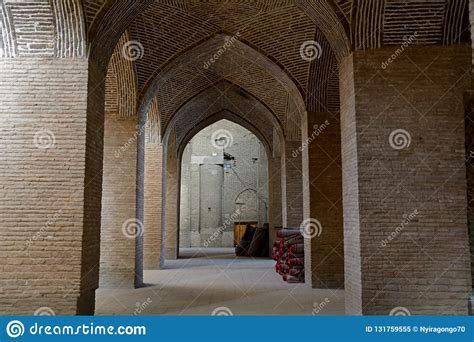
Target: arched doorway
column 224, row 185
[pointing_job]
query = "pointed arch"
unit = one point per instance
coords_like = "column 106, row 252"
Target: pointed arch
column 239, row 64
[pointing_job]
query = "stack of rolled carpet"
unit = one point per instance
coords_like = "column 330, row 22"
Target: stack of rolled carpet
column 288, row 252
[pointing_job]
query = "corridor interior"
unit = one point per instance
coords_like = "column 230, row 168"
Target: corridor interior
column 361, row 168
column 206, row 281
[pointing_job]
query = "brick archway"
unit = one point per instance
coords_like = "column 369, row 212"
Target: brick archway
column 63, row 68
column 172, row 172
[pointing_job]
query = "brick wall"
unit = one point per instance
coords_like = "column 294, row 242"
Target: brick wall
column 350, row 191
column 93, row 186
column 119, row 223
column 43, row 104
column 470, row 174
column 274, row 183
column 170, row 204
column 471, row 17
column 416, row 194
column 325, row 255
column 292, row 185
column 204, row 213
column 153, row 205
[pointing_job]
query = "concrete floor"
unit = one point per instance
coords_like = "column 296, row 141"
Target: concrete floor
column 213, row 280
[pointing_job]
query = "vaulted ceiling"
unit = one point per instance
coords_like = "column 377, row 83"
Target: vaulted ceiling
column 180, row 36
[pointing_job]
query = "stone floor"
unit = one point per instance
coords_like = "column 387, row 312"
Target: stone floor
column 207, row 281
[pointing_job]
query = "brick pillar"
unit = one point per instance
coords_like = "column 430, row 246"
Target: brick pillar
column 292, row 185
column 470, row 151
column 47, row 222
column 324, row 245
column 404, row 181
column 119, row 227
column 471, row 19
column 153, row 205
column 170, row 206
column 275, row 209
column 470, row 178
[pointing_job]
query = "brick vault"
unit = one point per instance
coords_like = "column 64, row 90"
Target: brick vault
column 364, row 110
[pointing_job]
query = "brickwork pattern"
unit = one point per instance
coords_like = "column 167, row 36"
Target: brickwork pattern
column 325, row 187
column 229, row 98
column 119, row 195
column 197, row 224
column 43, row 178
column 426, row 266
column 275, row 190
column 42, row 28
column 292, row 185
column 170, row 209
column 261, row 79
column 153, row 205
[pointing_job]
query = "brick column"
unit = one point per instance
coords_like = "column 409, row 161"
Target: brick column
column 404, row 181
column 153, row 205
column 471, row 19
column 120, row 227
column 324, row 246
column 292, row 185
column 470, row 179
column 170, row 206
column 275, row 209
column 49, row 235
